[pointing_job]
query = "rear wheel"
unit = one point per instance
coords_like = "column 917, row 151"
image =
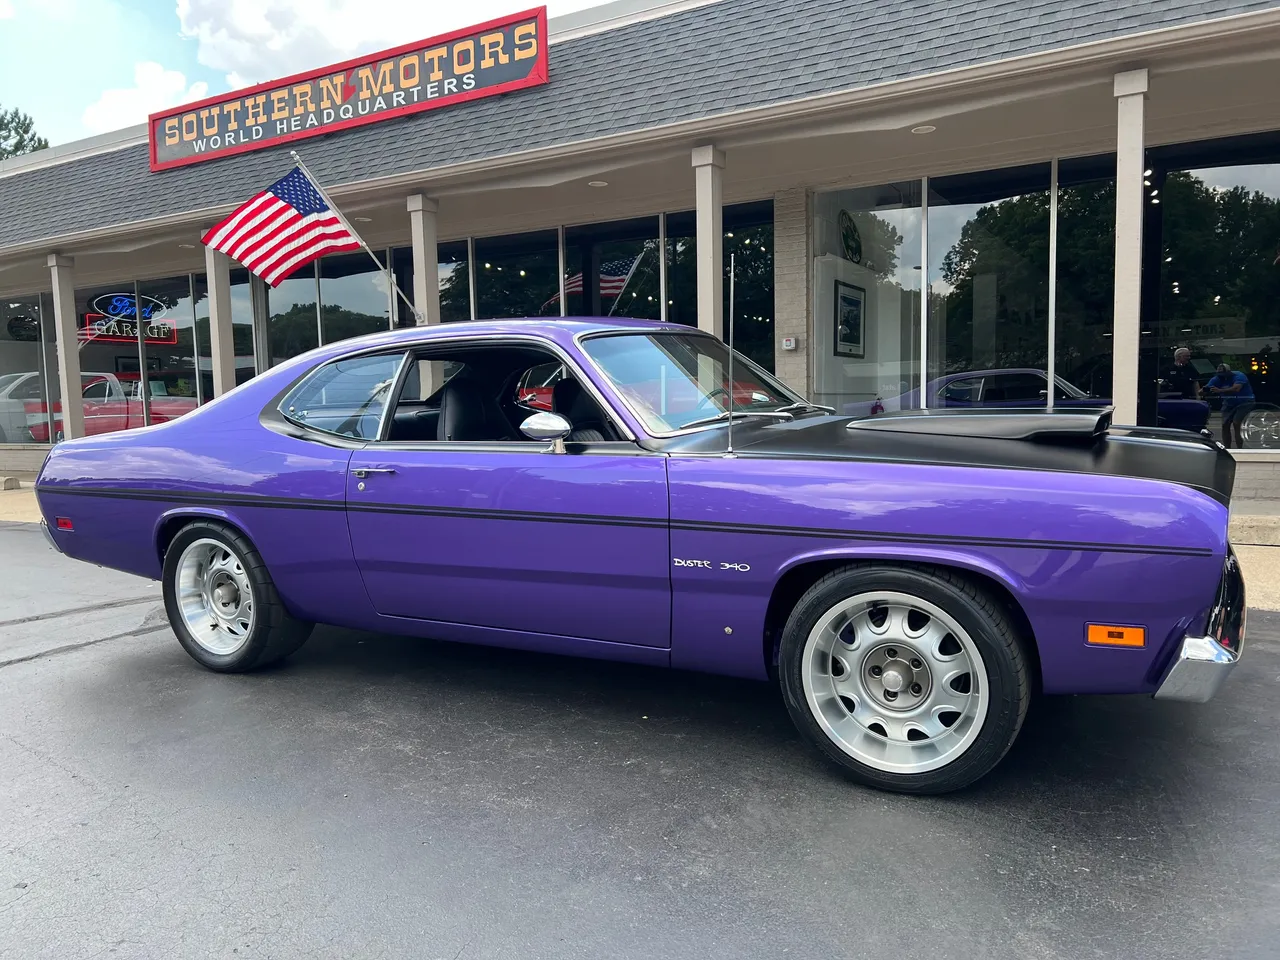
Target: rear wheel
column 1261, row 428
column 222, row 603
column 910, row 679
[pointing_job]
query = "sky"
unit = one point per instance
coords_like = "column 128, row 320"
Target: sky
column 84, row 67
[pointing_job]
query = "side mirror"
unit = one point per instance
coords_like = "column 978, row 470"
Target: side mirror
column 547, row 427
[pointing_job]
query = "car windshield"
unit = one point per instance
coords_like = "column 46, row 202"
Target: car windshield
column 674, row 380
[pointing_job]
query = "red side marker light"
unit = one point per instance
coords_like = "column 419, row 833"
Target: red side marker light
column 64, row 523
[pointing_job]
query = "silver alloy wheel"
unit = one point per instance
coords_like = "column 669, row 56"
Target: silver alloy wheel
column 215, row 596
column 1261, row 429
column 895, row 682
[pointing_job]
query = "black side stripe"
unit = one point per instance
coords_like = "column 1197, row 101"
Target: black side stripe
column 934, row 539
column 688, row 526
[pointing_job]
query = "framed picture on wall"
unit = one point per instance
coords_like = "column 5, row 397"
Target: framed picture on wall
column 850, row 320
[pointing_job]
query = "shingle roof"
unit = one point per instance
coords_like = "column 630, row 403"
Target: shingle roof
column 710, row 60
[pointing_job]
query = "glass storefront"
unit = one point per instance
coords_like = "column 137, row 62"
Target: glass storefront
column 866, row 298
column 988, row 340
column 613, row 270
column 354, row 297
column 28, row 378
column 1211, row 297
column 515, row 276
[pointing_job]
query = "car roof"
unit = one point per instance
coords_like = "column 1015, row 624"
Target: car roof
column 559, row 329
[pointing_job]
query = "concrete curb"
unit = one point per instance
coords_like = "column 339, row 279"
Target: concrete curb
column 1259, row 531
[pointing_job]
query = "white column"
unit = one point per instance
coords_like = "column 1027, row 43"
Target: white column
column 708, row 166
column 423, row 223
column 217, row 267
column 62, row 270
column 1131, row 95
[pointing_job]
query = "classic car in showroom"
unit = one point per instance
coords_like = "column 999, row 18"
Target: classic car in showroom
column 909, row 580
column 1025, row 387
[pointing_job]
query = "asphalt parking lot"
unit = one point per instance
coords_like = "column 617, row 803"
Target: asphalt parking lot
column 381, row 797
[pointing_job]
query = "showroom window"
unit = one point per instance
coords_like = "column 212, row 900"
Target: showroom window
column 748, row 237
column 354, row 297
column 988, row 280
column 1212, row 287
column 866, row 298
column 241, row 330
column 28, row 378
column 516, row 276
column 451, row 274
column 613, row 270
column 293, row 322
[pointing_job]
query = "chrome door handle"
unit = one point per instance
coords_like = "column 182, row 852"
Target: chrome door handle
column 362, row 472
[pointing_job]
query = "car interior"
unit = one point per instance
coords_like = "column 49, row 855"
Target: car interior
column 486, row 395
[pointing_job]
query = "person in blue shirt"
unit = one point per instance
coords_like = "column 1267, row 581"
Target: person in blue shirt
column 1237, row 401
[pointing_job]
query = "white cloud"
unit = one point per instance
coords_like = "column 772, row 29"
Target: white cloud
column 256, row 40
column 154, row 88
column 6, row 10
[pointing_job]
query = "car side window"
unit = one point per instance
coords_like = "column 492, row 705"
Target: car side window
column 31, row 389
column 963, row 391
column 98, row 390
column 537, row 386
column 346, row 397
column 1015, row 388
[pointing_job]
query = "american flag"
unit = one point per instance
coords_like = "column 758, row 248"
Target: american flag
column 614, row 276
column 283, row 228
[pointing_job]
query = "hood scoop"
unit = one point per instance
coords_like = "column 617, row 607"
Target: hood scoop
column 1083, row 426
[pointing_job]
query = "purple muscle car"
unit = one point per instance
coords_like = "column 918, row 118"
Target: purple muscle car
column 910, row 580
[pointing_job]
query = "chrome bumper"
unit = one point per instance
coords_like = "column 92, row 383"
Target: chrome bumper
column 44, row 528
column 1202, row 663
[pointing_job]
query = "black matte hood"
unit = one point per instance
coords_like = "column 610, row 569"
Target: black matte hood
column 1070, row 441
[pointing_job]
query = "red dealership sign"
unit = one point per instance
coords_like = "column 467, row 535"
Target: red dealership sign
column 483, row 61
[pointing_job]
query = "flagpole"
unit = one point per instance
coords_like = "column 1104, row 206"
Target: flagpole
column 391, row 279
column 630, row 273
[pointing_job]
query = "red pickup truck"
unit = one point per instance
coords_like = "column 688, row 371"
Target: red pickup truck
column 113, row 402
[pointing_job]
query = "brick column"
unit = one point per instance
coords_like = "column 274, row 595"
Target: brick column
column 792, row 270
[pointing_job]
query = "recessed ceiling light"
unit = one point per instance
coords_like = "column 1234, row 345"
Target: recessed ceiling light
column 924, row 128
column 597, row 183
column 363, row 219
column 186, row 246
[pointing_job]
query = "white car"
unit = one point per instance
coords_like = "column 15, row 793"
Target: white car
column 16, row 390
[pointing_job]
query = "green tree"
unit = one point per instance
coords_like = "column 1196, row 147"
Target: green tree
column 17, row 134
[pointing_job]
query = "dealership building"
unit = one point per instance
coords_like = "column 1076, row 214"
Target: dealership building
column 926, row 202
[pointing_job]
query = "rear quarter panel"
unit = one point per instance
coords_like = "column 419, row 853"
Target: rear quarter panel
column 287, row 495
column 1071, row 549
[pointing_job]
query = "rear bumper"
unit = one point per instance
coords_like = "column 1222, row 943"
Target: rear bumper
column 1203, row 663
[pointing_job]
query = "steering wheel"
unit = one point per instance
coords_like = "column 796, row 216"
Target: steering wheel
column 706, row 401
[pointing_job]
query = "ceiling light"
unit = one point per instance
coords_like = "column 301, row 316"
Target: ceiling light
column 363, row 219
column 597, row 183
column 1146, row 173
column 924, row 128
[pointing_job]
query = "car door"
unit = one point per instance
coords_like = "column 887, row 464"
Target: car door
column 105, row 409
column 509, row 536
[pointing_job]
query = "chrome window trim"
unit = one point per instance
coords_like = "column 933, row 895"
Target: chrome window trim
column 764, row 375
column 306, row 377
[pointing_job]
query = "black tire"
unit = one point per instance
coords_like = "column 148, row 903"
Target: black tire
column 989, row 627
column 275, row 633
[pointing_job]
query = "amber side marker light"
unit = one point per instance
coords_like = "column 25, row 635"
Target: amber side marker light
column 1110, row 635
column 64, row 523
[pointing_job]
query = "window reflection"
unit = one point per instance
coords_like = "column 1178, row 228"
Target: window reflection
column 516, row 276
column 353, row 297
column 613, row 269
column 1212, row 326
column 867, row 278
column 24, row 377
column 989, row 283
column 292, row 321
column 241, row 331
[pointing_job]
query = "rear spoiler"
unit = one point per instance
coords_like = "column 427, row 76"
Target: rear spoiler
column 1076, row 425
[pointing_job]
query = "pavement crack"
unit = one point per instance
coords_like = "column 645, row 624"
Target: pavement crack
column 141, row 631
column 109, row 605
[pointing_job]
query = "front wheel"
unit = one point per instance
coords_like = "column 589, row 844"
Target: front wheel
column 910, row 679
column 222, row 603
